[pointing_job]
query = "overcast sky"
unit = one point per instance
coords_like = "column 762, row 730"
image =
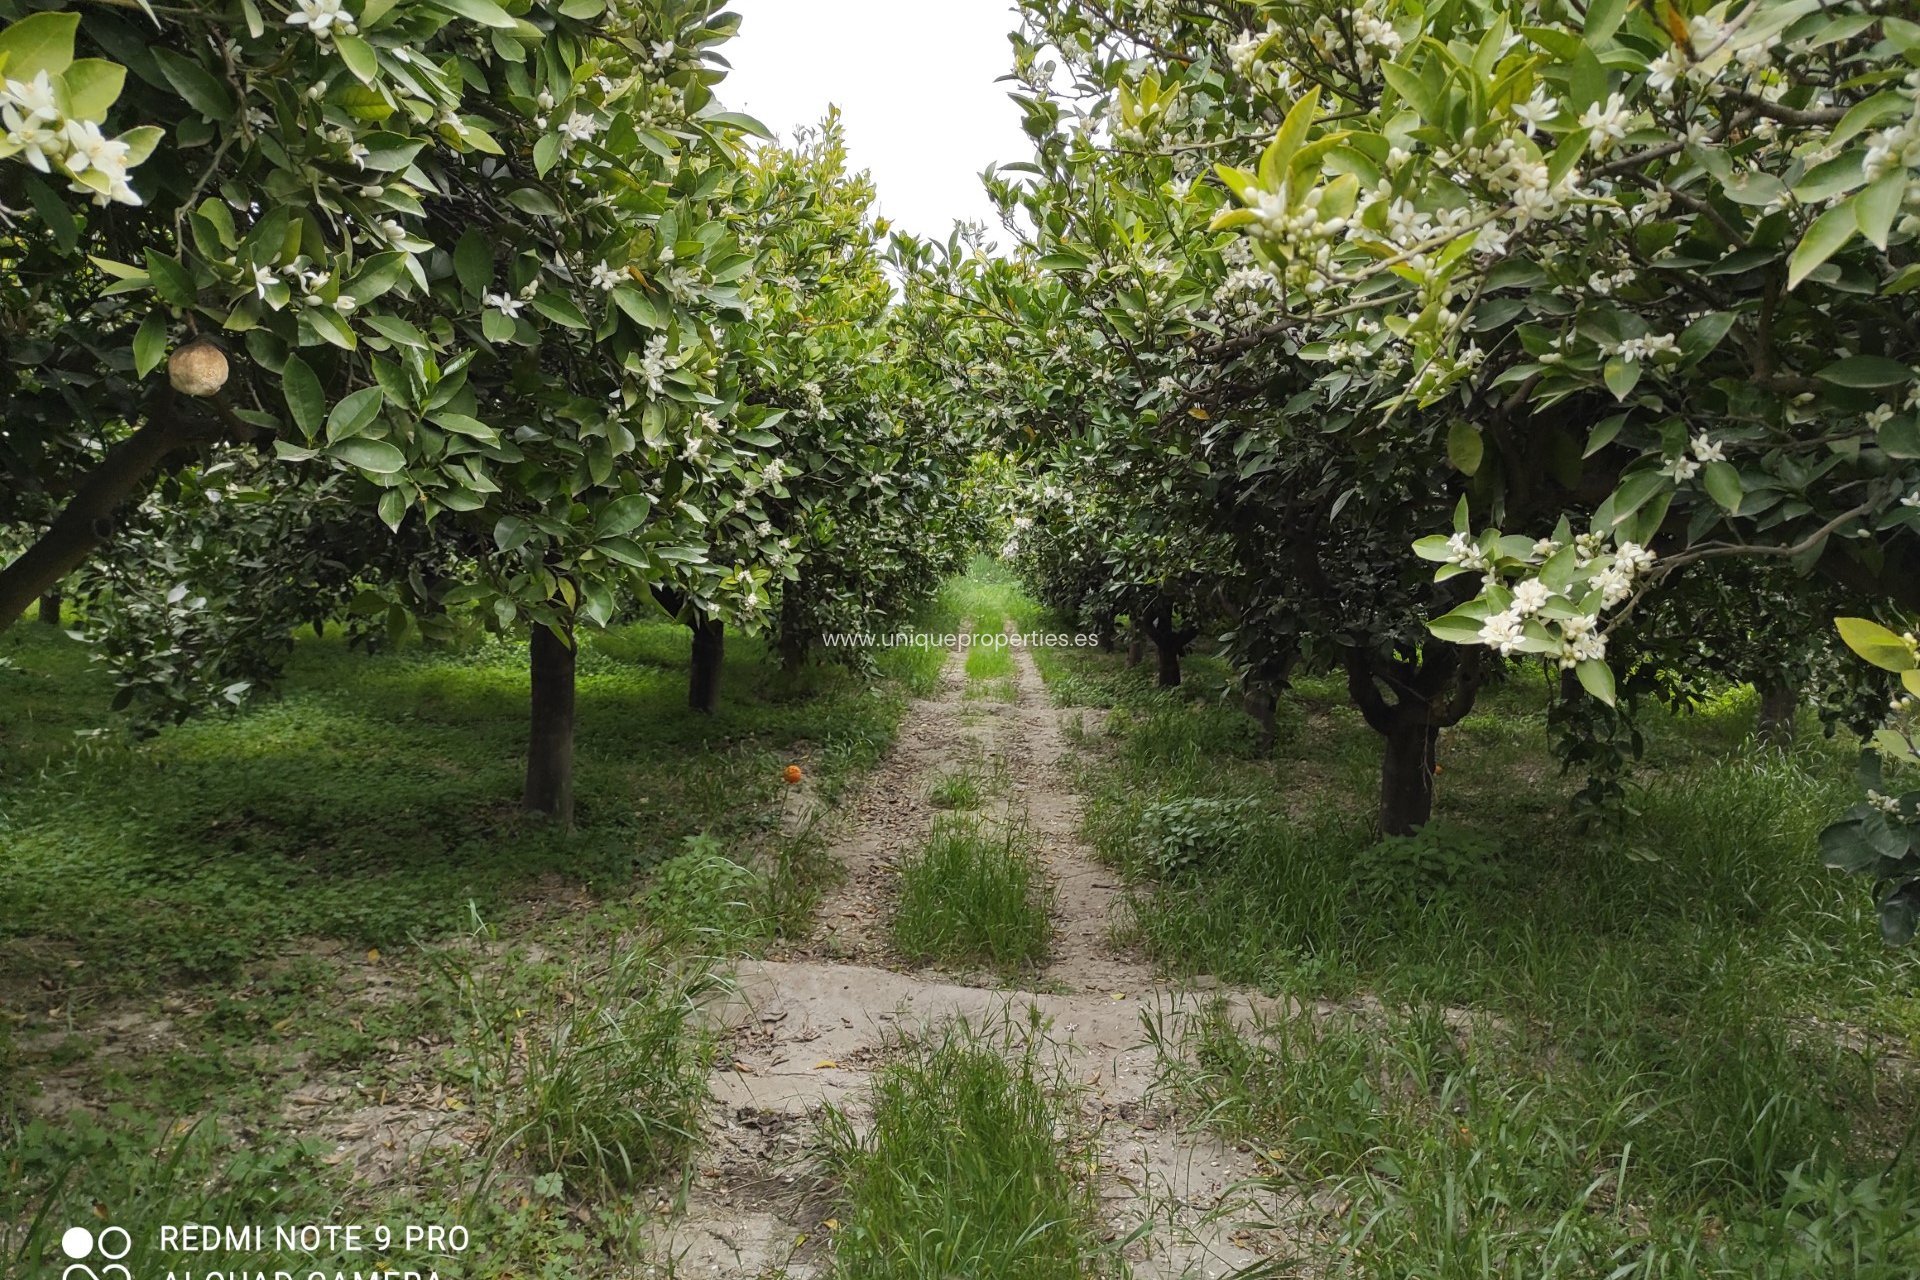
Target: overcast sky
column 915, row 80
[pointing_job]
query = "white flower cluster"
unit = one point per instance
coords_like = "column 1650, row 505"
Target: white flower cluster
column 1513, row 171
column 1897, row 146
column 655, row 364
column 324, row 18
column 1647, row 347
column 46, row 138
column 1554, row 606
column 1305, row 240
column 1372, row 36
column 1462, row 550
column 1606, row 123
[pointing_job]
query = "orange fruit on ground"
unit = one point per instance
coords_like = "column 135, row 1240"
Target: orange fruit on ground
column 791, row 774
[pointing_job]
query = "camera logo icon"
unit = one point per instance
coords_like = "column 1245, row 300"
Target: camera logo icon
column 82, row 1245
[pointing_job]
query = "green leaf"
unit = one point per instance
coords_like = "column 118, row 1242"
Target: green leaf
column 644, row 311
column 1699, row 339
column 330, row 326
column 376, row 457
column 395, row 330
column 1900, row 915
column 1596, row 678
column 1586, row 81
column 203, row 91
column 1875, row 208
column 738, row 120
column 1866, row 371
column 1900, row 437
column 141, row 141
column 473, row 261
column 54, row 212
column 511, row 532
column 93, row 85
column 1876, row 644
column 306, row 402
column 1622, row 376
column 560, row 309
column 358, row 55
column 1636, row 491
column 461, row 424
column 1844, row 847
column 534, row 201
column 1824, row 238
column 1293, row 131
column 545, row 153
column 623, row 515
column 393, row 508
column 1603, row 435
column 39, row 42
column 1457, row 628
column 1722, row 481
column 1465, row 447
column 484, row 12
column 497, row 325
column 170, row 280
column 149, row 344
column 354, row 414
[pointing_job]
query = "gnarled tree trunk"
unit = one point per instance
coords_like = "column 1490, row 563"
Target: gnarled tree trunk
column 703, row 676
column 1432, row 689
column 1169, row 641
column 549, row 787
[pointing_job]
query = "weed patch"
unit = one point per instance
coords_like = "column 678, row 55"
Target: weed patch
column 968, row 1167
column 972, row 895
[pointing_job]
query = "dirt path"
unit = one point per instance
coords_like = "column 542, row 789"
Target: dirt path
column 809, row 1026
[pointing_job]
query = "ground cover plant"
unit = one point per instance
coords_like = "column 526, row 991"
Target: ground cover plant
column 974, row 894
column 964, row 1168
column 1671, row 1046
column 325, row 898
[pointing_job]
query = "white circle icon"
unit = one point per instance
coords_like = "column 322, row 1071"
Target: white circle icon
column 77, row 1242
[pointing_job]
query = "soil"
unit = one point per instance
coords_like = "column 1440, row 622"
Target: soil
column 808, row 1027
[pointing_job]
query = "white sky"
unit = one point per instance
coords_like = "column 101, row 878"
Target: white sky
column 915, row 82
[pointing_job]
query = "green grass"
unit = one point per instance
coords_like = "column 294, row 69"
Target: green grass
column 964, row 1169
column 958, row 789
column 602, row 1081
column 203, row 925
column 988, row 659
column 372, row 801
column 972, row 895
column 1674, row 1048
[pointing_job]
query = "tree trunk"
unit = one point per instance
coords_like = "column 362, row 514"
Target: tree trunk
column 1261, row 703
column 1406, row 779
column 703, row 677
column 82, row 523
column 793, row 639
column 1779, row 705
column 50, row 608
column 550, row 742
column 1169, row 651
column 1136, row 650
